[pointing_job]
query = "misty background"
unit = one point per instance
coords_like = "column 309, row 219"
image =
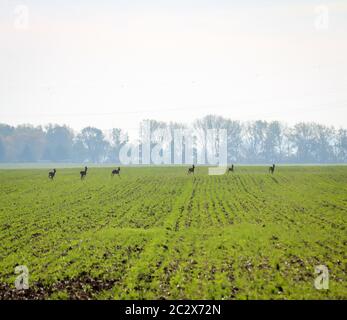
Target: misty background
column 114, row 63
column 248, row 142
column 96, row 69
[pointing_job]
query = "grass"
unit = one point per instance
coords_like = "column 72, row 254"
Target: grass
column 157, row 233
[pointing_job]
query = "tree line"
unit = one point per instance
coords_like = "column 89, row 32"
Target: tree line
column 59, row 143
column 248, row 142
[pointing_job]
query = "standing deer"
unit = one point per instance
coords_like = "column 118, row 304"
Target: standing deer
column 83, row 173
column 191, row 170
column 231, row 169
column 51, row 174
column 272, row 169
column 116, row 171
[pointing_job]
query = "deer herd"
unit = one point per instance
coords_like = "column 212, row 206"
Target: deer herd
column 191, row 170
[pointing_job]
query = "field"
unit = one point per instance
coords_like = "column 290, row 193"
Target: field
column 157, row 233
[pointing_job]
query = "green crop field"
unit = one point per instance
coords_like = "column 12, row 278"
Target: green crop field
column 158, row 233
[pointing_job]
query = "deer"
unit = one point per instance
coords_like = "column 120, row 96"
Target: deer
column 191, row 170
column 83, row 173
column 231, row 169
column 116, row 171
column 51, row 174
column 272, row 169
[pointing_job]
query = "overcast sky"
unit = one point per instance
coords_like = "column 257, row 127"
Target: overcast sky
column 114, row 63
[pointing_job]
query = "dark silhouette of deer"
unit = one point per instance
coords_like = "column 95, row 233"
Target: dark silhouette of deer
column 51, row 174
column 231, row 169
column 116, row 171
column 84, row 173
column 191, row 170
column 272, row 169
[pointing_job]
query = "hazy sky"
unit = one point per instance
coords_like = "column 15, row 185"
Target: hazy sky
column 114, row 63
